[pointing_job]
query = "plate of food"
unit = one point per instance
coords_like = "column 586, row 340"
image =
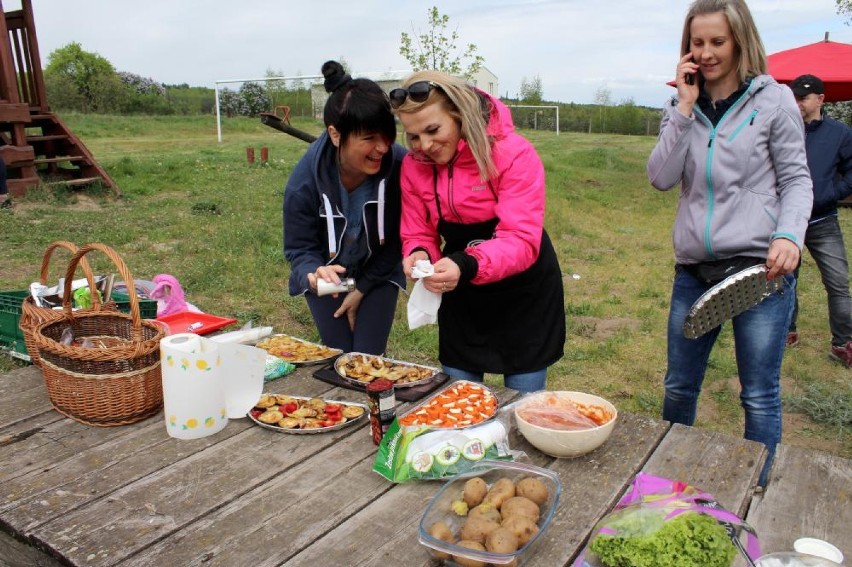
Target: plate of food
column 303, row 415
column 298, row 351
column 360, row 369
column 460, row 404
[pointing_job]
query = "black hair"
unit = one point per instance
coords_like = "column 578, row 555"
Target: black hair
column 355, row 105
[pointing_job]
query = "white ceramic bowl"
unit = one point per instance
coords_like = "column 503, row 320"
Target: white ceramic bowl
column 562, row 443
column 819, row 548
column 792, row 559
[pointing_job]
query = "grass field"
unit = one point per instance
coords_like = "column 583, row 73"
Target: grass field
column 195, row 208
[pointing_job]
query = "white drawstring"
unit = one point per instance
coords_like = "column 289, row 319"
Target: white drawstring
column 329, row 221
column 382, row 212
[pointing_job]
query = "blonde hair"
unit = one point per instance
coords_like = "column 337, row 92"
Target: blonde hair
column 461, row 101
column 749, row 47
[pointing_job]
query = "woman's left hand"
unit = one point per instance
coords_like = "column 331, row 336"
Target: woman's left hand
column 349, row 307
column 783, row 257
column 445, row 278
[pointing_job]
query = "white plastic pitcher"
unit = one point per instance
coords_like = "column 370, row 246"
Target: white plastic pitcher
column 193, row 391
column 243, row 367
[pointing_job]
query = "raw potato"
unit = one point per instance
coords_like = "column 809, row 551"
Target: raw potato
column 533, row 489
column 522, row 527
column 477, row 529
column 442, row 531
column 520, row 506
column 500, row 491
column 502, row 540
column 470, row 562
column 488, row 511
column 475, row 490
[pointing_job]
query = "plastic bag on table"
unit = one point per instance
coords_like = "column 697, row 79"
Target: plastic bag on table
column 276, row 368
column 665, row 523
column 556, row 411
column 422, row 452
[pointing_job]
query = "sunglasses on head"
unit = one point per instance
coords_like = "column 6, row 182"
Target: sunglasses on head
column 418, row 92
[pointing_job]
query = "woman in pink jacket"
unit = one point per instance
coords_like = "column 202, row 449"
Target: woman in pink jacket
column 474, row 185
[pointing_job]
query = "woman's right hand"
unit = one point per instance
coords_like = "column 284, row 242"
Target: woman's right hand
column 411, row 259
column 330, row 274
column 687, row 93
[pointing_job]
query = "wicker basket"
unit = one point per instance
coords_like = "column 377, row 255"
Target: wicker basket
column 118, row 380
column 32, row 315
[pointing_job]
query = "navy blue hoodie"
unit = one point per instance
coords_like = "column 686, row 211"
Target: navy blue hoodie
column 829, row 146
column 314, row 221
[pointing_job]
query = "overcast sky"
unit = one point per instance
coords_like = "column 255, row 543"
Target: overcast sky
column 629, row 47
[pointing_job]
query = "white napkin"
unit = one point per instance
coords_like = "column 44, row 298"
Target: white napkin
column 423, row 304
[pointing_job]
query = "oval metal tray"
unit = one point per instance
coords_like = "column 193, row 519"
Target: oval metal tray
column 337, row 352
column 345, row 358
column 443, row 390
column 316, row 430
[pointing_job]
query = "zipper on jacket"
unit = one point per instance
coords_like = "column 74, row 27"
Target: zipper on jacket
column 749, row 121
column 450, row 191
column 708, row 246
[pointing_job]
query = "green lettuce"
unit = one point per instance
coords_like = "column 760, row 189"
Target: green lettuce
column 644, row 538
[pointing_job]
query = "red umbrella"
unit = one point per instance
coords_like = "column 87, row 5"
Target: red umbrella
column 829, row 60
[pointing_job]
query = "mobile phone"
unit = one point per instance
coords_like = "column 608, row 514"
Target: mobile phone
column 690, row 78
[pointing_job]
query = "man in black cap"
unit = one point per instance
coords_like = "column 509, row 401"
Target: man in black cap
column 829, row 148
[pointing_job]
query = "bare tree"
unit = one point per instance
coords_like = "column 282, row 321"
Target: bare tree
column 434, row 49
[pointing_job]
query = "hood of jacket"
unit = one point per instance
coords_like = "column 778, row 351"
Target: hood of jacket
column 323, row 159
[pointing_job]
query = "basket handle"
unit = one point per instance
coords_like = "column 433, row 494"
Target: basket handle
column 136, row 332
column 87, row 270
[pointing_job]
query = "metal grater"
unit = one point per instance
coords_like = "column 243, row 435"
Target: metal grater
column 727, row 299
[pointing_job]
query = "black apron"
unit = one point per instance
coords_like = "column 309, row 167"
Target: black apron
column 511, row 326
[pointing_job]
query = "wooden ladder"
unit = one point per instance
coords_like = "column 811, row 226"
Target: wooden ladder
column 60, row 157
column 35, row 144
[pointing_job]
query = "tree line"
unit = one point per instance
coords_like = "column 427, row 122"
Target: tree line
column 77, row 80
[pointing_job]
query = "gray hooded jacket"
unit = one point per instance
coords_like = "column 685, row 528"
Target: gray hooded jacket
column 743, row 183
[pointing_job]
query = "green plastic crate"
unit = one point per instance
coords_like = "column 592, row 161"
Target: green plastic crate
column 147, row 307
column 11, row 336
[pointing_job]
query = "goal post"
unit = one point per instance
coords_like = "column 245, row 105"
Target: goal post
column 533, row 117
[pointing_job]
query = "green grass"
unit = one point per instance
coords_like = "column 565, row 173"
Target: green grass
column 195, row 208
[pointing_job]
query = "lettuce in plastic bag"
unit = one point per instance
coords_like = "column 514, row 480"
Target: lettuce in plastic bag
column 663, row 523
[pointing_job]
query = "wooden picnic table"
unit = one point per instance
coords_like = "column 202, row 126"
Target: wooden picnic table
column 72, row 494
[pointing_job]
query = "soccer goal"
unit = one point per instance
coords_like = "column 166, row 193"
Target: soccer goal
column 535, row 117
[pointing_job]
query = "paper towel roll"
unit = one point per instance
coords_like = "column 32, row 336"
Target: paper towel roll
column 242, row 375
column 193, row 387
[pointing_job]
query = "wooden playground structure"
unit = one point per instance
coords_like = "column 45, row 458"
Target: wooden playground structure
column 36, row 145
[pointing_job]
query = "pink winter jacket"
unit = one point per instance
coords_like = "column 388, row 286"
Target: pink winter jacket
column 517, row 200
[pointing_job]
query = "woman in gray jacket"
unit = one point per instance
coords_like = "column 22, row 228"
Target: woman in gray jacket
column 733, row 139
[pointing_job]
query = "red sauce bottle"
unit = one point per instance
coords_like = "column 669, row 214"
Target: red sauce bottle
column 382, row 404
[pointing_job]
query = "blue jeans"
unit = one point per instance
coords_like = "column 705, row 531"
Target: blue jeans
column 525, row 382
column 372, row 323
column 759, row 337
column 825, row 243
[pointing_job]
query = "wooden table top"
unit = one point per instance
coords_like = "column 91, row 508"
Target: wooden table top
column 134, row 496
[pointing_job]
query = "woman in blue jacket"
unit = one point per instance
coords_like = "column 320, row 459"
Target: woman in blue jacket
column 732, row 138
column 341, row 216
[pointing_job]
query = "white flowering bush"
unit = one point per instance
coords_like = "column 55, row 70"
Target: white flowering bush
column 141, row 85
